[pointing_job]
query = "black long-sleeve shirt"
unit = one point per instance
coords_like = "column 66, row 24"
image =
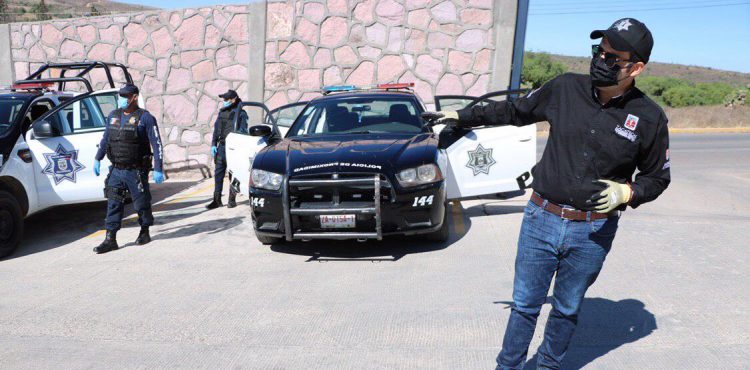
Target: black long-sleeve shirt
column 588, row 140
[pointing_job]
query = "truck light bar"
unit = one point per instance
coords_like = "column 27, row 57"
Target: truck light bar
column 32, row 85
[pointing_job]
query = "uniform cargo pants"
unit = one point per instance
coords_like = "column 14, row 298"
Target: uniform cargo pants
column 136, row 182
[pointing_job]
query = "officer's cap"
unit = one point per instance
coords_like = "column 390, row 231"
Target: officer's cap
column 628, row 34
column 231, row 94
column 128, row 90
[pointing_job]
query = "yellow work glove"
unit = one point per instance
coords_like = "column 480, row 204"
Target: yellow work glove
column 613, row 195
column 442, row 117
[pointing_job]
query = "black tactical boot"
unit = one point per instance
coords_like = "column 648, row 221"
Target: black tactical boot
column 216, row 203
column 109, row 243
column 232, row 202
column 143, row 236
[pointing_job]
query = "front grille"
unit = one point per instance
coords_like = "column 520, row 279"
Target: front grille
column 308, row 197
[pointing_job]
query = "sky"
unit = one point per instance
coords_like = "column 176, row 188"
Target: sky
column 707, row 33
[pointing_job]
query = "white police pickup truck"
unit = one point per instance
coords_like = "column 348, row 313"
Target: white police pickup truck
column 48, row 140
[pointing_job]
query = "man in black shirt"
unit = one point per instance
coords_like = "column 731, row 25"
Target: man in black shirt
column 602, row 128
column 222, row 127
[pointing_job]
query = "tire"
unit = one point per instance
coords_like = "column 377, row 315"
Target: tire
column 11, row 223
column 440, row 235
column 267, row 240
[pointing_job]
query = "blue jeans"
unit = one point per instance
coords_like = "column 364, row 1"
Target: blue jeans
column 221, row 168
column 549, row 245
column 136, row 182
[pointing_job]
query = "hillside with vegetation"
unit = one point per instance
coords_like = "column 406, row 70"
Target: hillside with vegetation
column 691, row 96
column 36, row 10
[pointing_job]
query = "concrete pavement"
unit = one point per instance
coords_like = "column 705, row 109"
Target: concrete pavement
column 206, row 294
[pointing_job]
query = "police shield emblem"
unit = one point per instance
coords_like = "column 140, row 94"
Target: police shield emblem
column 62, row 165
column 480, row 160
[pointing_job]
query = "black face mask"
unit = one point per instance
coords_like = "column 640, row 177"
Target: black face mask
column 602, row 75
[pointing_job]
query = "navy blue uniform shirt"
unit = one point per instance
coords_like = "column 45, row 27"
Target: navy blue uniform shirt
column 147, row 129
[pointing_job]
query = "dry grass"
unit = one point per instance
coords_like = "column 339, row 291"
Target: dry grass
column 716, row 116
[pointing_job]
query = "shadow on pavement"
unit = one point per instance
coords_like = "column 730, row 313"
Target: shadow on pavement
column 390, row 249
column 214, row 226
column 603, row 325
column 61, row 225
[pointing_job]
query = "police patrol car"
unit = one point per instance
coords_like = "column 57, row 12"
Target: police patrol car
column 361, row 163
column 49, row 139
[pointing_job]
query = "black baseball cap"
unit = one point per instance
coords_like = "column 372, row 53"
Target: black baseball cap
column 231, row 94
column 128, row 89
column 628, row 34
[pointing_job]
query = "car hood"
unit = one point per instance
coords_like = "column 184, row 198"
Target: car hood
column 371, row 153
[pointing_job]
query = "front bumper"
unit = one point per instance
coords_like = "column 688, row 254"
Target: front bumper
column 293, row 213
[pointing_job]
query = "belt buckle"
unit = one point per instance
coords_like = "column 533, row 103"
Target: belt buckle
column 562, row 214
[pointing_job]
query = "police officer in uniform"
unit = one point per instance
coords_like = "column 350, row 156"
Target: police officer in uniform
column 602, row 129
column 131, row 139
column 222, row 127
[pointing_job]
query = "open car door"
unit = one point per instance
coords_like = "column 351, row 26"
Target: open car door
column 241, row 147
column 64, row 161
column 486, row 160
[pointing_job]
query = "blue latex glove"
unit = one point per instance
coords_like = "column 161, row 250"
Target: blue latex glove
column 97, row 167
column 214, row 150
column 158, row 177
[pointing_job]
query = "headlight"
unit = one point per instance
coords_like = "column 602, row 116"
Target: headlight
column 424, row 174
column 265, row 180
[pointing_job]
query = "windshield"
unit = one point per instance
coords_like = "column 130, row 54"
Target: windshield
column 9, row 110
column 355, row 115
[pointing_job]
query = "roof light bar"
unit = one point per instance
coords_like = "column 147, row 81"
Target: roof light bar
column 401, row 85
column 328, row 89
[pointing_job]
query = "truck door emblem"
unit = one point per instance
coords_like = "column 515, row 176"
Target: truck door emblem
column 62, row 164
column 480, row 160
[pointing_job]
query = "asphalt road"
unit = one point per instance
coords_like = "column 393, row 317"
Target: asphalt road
column 205, row 294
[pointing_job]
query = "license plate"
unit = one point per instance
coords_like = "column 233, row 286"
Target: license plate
column 337, row 221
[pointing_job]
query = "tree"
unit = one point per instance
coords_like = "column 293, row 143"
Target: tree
column 93, row 11
column 539, row 68
column 41, row 10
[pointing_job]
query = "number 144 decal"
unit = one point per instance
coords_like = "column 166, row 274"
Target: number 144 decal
column 422, row 201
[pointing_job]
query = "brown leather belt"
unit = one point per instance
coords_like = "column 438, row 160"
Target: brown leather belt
column 569, row 213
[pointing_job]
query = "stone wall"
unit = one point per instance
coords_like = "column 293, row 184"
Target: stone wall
column 444, row 47
column 279, row 51
column 181, row 60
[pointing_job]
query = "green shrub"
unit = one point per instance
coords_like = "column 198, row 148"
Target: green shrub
column 539, row 68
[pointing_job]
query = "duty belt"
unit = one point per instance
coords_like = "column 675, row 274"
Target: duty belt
column 569, row 213
column 128, row 166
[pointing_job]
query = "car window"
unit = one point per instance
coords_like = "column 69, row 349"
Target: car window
column 250, row 115
column 83, row 115
column 285, row 117
column 352, row 115
column 9, row 111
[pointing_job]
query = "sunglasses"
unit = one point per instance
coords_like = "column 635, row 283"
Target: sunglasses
column 609, row 59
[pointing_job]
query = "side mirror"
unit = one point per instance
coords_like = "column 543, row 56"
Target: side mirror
column 44, row 129
column 260, row 130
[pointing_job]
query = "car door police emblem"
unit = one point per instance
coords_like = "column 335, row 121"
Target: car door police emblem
column 631, row 122
column 62, row 165
column 630, row 135
column 480, row 160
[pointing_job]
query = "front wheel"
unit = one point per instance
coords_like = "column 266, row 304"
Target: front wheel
column 11, row 223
